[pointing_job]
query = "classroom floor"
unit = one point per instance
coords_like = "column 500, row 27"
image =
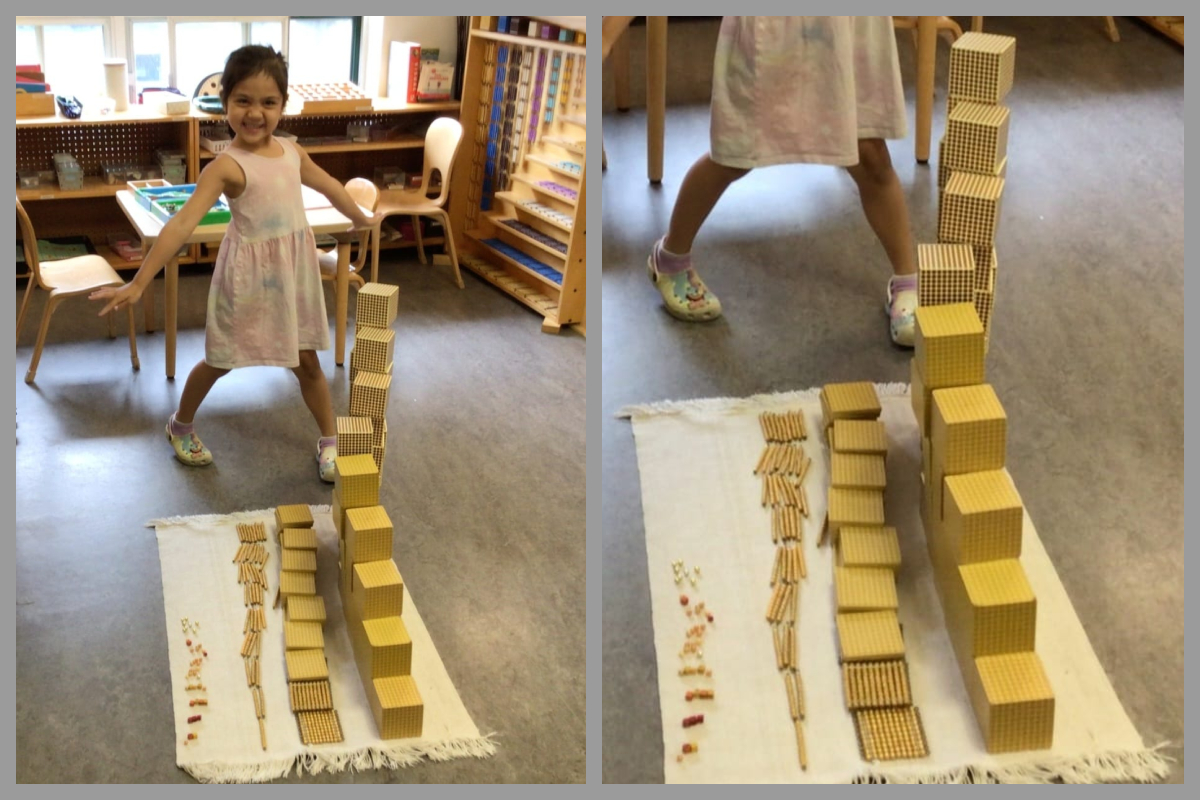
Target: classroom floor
column 484, row 481
column 1086, row 351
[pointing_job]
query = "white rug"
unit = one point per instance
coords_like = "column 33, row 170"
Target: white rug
column 702, row 505
column 200, row 583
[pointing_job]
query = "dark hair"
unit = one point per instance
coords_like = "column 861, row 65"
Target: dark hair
column 251, row 60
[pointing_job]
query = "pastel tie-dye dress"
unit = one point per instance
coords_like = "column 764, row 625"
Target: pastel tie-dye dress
column 804, row 89
column 266, row 303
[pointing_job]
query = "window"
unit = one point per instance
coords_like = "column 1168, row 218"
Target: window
column 71, row 54
column 183, row 51
column 323, row 49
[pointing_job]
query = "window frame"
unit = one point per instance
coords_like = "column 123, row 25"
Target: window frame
column 356, row 35
column 38, row 23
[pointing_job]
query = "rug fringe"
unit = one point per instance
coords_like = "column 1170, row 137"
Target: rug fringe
column 733, row 404
column 1130, row 766
column 396, row 756
column 236, row 516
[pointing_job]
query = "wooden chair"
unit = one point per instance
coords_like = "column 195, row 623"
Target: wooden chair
column 366, row 194
column 947, row 28
column 441, row 147
column 70, row 277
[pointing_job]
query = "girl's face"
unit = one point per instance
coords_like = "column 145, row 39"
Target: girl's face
column 254, row 108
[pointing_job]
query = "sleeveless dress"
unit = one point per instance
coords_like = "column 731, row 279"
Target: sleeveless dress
column 804, row 89
column 266, row 303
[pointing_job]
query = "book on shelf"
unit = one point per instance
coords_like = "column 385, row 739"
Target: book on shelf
column 404, row 70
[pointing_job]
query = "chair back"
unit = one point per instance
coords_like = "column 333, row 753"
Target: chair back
column 29, row 241
column 363, row 192
column 441, row 147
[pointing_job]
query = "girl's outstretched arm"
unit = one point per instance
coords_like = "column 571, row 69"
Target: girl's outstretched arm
column 213, row 180
column 319, row 180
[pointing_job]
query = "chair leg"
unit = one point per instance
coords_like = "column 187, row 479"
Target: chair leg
column 450, row 246
column 133, row 356
column 949, row 29
column 1110, row 25
column 41, row 339
column 416, row 223
column 29, row 290
column 373, row 239
column 977, row 24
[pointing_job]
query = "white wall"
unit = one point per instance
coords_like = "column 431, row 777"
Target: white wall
column 380, row 32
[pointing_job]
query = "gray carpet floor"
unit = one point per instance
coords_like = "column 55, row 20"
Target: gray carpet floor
column 1086, row 351
column 484, row 482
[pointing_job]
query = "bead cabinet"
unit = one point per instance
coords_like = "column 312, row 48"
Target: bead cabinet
column 517, row 201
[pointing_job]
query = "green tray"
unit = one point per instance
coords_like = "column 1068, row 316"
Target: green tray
column 164, row 202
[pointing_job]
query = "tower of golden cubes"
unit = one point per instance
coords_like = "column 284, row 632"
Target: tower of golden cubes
column 309, row 693
column 364, row 432
column 973, row 521
column 972, row 164
column 373, row 598
column 870, row 645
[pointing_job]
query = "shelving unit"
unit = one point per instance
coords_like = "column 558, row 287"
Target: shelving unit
column 133, row 136
column 518, row 193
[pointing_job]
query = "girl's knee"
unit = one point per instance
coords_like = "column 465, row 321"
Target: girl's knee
column 310, row 365
column 874, row 161
column 730, row 174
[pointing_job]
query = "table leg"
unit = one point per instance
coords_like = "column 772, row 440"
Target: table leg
column 656, row 95
column 342, row 289
column 170, row 311
column 148, row 308
column 620, row 72
column 926, row 63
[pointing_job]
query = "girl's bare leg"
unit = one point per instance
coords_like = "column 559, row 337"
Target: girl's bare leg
column 684, row 295
column 702, row 187
column 315, row 390
column 883, row 203
column 199, row 382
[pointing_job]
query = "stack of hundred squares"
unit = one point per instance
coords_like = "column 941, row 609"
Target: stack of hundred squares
column 370, row 584
column 972, row 164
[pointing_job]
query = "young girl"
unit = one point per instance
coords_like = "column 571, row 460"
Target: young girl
column 266, row 306
column 819, row 90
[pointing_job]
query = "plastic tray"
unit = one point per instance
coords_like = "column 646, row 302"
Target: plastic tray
column 165, row 200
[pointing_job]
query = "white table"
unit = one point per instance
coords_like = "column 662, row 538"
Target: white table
column 321, row 218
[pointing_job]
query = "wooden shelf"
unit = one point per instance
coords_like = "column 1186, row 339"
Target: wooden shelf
column 92, row 187
column 515, row 199
column 577, row 148
column 529, row 41
column 548, row 286
column 137, row 114
column 554, row 284
column 379, row 105
column 578, row 24
column 549, row 164
column 541, row 190
column 407, row 143
column 119, row 264
column 523, row 289
column 501, row 228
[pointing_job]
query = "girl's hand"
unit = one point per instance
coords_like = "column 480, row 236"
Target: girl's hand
column 367, row 223
column 118, row 297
